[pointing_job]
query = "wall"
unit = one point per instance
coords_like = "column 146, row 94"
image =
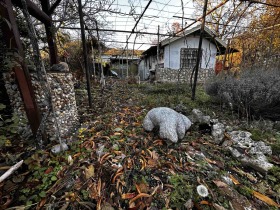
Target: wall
column 143, row 70
column 63, row 99
column 147, row 64
column 172, row 52
column 184, row 75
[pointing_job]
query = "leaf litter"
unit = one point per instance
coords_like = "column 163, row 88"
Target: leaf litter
column 113, row 163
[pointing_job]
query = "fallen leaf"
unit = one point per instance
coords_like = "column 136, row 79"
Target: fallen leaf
column 115, row 177
column 265, row 199
column 152, row 163
column 128, row 195
column 89, row 171
column 49, row 170
column 220, row 183
column 141, row 188
column 210, row 161
column 141, row 195
column 248, row 175
column 234, row 180
column 204, row 202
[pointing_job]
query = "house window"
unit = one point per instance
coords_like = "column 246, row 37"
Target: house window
column 188, row 57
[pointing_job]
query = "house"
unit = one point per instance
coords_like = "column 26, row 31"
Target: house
column 181, row 53
column 115, row 60
column 149, row 62
column 122, row 64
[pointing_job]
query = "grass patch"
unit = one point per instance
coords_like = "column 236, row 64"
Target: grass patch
column 172, row 95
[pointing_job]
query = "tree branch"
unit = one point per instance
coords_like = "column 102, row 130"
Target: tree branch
column 34, row 10
column 53, row 7
column 10, row 171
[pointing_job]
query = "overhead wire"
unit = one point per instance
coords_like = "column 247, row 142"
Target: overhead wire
column 153, row 20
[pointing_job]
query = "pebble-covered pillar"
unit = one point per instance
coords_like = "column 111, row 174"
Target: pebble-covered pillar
column 61, row 85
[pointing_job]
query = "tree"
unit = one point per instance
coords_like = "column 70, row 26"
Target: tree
column 176, row 27
column 261, row 42
column 229, row 19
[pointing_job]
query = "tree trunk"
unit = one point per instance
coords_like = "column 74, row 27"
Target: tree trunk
column 50, row 34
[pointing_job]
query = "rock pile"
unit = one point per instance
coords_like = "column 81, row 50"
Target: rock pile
column 249, row 152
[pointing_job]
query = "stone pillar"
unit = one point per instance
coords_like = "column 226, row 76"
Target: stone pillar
column 63, row 99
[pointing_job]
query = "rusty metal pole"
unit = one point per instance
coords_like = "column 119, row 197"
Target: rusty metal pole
column 22, row 75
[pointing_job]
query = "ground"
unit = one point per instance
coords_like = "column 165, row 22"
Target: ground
column 114, row 164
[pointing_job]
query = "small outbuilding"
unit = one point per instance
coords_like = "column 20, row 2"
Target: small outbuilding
column 180, row 53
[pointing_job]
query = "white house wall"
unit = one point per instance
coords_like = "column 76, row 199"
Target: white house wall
column 172, row 52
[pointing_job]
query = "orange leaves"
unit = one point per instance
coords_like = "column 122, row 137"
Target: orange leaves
column 234, row 180
column 105, row 157
column 141, row 195
column 265, row 199
column 116, row 176
column 128, row 195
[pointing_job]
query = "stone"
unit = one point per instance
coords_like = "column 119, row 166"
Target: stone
column 181, row 109
column 198, row 116
column 59, row 148
column 251, row 153
column 62, row 66
column 172, row 125
column 217, row 132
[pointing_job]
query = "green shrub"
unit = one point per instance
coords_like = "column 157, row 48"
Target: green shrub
column 254, row 94
column 8, row 127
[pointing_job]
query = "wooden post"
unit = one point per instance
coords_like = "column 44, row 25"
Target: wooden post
column 85, row 52
column 157, row 50
column 199, row 53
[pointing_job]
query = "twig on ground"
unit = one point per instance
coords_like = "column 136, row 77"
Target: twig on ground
column 10, row 171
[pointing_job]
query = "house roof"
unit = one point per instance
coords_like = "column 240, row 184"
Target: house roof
column 208, row 34
column 151, row 51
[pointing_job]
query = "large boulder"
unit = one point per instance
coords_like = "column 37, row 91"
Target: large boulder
column 172, row 125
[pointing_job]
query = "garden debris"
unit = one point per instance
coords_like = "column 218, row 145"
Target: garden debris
column 115, row 164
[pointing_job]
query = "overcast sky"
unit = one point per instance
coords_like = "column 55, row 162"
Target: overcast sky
column 159, row 12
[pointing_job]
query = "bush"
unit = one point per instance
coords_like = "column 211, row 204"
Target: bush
column 255, row 92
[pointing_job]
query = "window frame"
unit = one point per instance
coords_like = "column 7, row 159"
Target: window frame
column 191, row 56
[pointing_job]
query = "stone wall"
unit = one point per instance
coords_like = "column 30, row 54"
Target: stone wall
column 172, row 75
column 63, row 100
column 17, row 104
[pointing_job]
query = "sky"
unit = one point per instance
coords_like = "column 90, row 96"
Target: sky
column 159, row 13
